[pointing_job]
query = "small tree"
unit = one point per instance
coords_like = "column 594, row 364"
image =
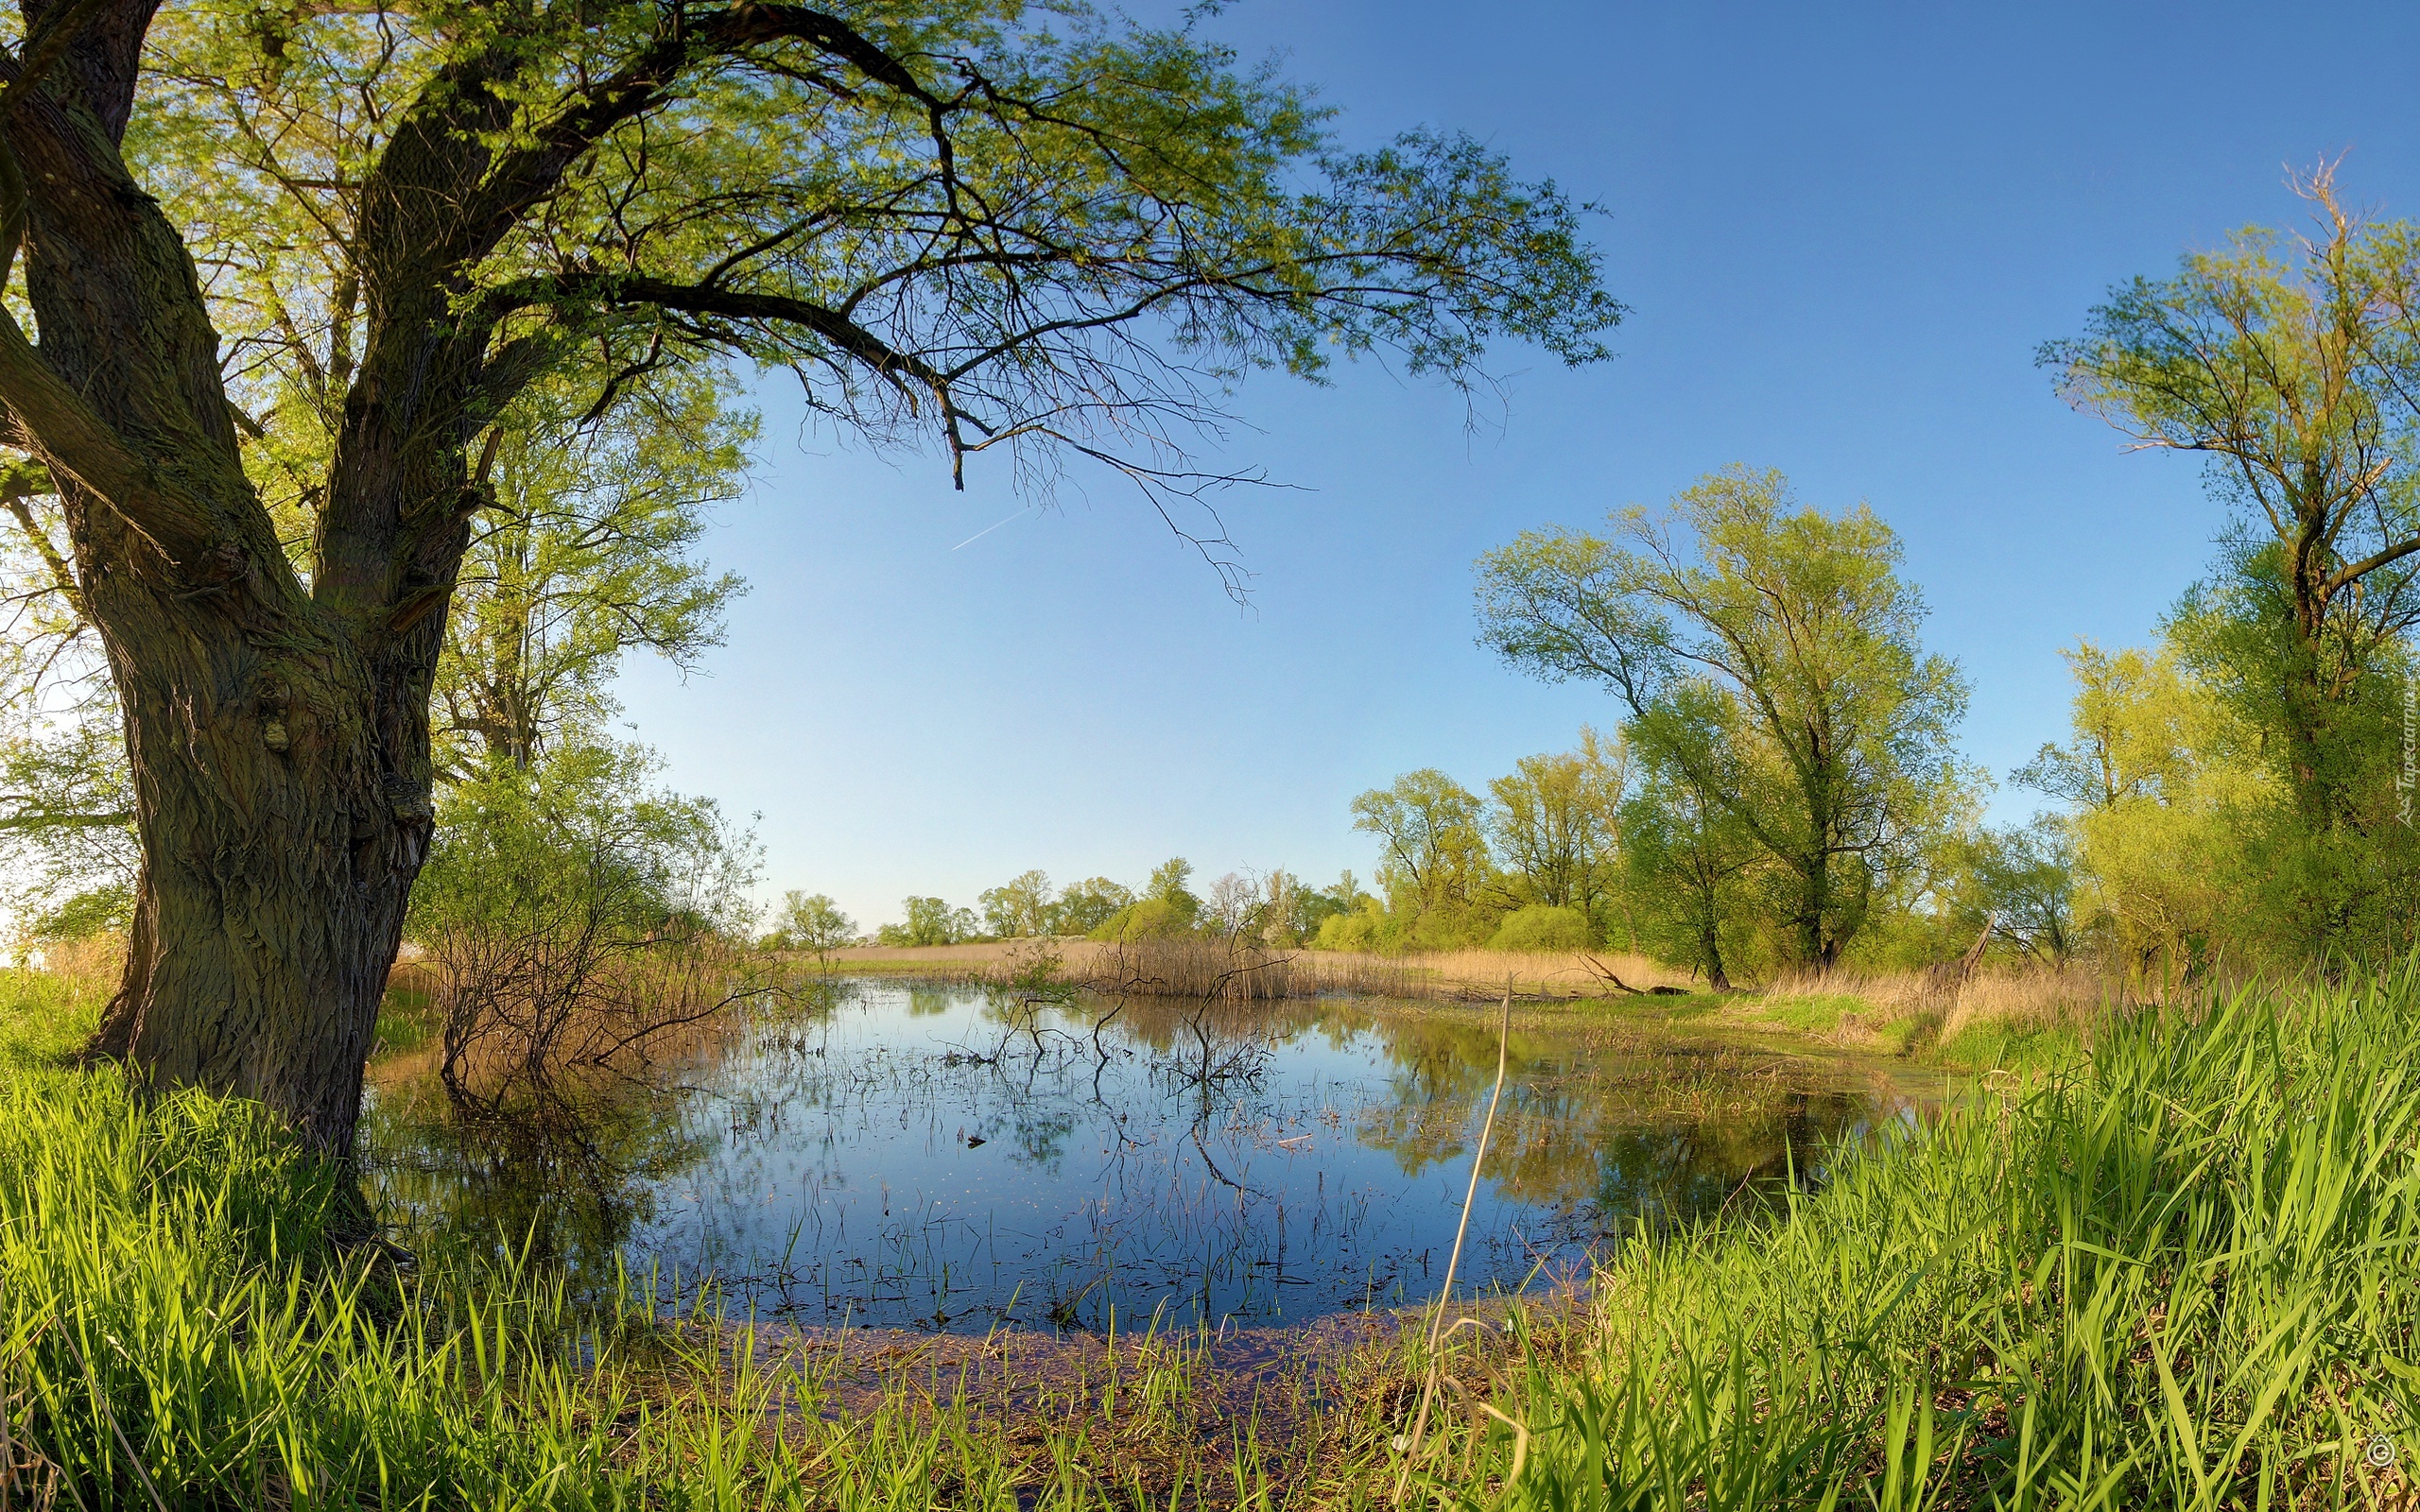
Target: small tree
column 586, row 558
column 2022, row 882
column 815, row 924
column 2170, row 807
column 1020, row 907
column 1087, row 905
column 1290, row 912
column 1542, row 927
column 1435, row 864
column 1234, row 907
column 1179, row 909
column 1343, row 916
column 576, row 912
column 1555, row 824
column 1166, row 907
column 929, row 922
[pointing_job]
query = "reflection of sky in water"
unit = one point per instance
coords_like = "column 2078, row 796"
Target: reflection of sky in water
column 863, row 1161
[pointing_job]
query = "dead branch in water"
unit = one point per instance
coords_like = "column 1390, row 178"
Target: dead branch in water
column 1605, row 971
column 522, row 1005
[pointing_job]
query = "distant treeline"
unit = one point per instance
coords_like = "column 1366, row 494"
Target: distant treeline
column 1782, row 788
column 1783, row 791
column 1274, row 907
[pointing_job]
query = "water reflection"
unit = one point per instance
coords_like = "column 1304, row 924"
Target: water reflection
column 958, row 1158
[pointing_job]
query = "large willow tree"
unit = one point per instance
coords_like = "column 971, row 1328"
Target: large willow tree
column 290, row 267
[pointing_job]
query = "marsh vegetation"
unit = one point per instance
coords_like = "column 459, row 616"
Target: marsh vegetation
column 2170, row 1274
column 374, row 371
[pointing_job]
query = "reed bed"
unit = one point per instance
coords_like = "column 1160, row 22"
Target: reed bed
column 1914, row 1010
column 2033, row 998
column 1212, row 967
column 92, row 965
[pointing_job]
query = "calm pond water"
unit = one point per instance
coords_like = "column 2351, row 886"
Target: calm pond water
column 898, row 1155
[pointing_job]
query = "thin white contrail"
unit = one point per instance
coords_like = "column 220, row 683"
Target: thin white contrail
column 987, row 530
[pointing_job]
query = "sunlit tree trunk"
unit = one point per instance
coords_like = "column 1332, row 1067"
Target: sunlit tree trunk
column 283, row 803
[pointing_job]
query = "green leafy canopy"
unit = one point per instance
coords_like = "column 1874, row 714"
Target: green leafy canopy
column 987, row 225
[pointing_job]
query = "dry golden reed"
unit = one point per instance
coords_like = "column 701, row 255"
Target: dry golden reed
column 1922, row 1008
column 1211, row 967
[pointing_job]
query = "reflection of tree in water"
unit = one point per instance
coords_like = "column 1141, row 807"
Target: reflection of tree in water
column 1040, row 1138
column 566, row 1177
column 1057, row 1159
column 1683, row 1170
column 567, row 1182
column 1166, row 1025
column 1659, row 1133
column 1592, row 1114
column 1200, row 1055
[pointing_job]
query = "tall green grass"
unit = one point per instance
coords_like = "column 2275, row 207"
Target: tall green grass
column 177, row 1329
column 2185, row 1273
column 182, row 1325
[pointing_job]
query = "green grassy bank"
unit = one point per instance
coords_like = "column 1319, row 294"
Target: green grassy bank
column 2181, row 1274
column 178, row 1327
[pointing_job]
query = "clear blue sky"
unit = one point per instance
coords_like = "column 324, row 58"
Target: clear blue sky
column 1842, row 229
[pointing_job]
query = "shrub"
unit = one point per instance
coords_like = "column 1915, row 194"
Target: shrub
column 1365, row 928
column 1151, row 918
column 1541, row 927
column 572, row 912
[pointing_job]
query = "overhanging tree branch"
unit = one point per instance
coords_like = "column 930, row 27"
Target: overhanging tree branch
column 55, row 820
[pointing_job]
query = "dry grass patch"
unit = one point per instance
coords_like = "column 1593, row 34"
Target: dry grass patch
column 1210, row 966
column 1904, row 1011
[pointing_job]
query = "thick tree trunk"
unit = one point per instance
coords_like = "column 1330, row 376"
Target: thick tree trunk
column 1816, row 947
column 277, row 732
column 282, row 797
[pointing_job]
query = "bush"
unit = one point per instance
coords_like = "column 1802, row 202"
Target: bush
column 572, row 912
column 931, row 922
column 1365, row 928
column 1151, row 918
column 1541, row 927
column 810, row 922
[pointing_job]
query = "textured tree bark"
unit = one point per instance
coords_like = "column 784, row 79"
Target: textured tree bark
column 278, row 734
column 1817, row 948
column 281, row 796
column 1710, row 946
